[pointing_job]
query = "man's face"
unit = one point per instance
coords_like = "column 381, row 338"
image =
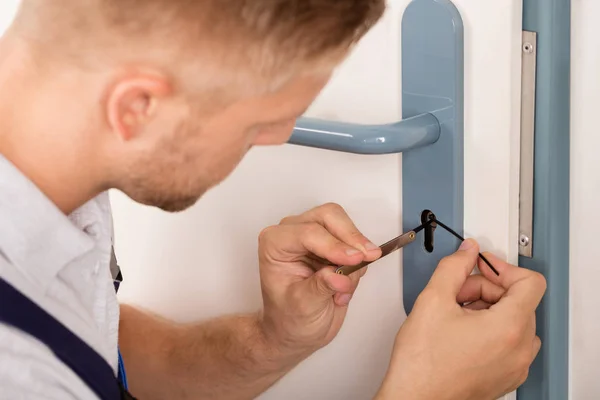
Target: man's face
column 186, row 154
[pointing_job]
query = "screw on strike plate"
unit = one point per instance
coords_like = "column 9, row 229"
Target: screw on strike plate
column 528, row 47
column 524, row 240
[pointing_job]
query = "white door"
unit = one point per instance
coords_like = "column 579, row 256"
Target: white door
column 202, row 263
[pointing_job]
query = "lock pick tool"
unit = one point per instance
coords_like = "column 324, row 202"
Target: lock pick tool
column 404, row 240
column 387, row 248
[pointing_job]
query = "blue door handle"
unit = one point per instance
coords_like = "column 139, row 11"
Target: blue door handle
column 398, row 137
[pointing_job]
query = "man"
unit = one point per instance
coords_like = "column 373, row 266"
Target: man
column 161, row 99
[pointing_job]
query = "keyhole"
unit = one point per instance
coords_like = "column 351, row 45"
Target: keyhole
column 429, row 230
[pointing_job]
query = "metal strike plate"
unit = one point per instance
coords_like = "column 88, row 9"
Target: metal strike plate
column 528, row 72
column 432, row 176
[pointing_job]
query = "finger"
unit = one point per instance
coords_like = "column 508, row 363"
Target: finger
column 530, row 331
column 524, row 288
column 478, row 305
column 537, row 345
column 292, row 242
column 362, row 272
column 342, row 299
column 335, row 219
column 477, row 287
column 324, row 284
column 319, row 262
column 453, row 271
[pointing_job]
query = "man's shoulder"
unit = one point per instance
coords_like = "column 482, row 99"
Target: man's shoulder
column 71, row 279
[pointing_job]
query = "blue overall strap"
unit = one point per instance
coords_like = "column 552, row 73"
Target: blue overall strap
column 18, row 311
column 115, row 271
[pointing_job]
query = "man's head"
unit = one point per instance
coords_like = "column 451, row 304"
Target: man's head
column 170, row 94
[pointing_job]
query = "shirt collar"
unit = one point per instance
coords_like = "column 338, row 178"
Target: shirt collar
column 35, row 236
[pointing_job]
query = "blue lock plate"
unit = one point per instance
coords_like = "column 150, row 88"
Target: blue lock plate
column 432, row 176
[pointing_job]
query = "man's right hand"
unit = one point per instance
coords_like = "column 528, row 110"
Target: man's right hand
column 479, row 351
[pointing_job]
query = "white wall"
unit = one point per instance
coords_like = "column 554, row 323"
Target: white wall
column 202, row 263
column 585, row 199
column 8, row 9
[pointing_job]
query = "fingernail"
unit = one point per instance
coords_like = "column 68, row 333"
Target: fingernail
column 371, row 246
column 344, row 299
column 466, row 245
column 352, row 252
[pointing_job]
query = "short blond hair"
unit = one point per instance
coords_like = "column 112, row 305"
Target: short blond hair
column 260, row 40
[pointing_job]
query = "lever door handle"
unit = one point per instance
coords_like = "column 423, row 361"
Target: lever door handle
column 398, row 137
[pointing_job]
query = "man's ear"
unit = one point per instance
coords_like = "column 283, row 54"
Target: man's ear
column 132, row 103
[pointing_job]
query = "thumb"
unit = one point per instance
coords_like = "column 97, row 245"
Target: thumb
column 323, row 284
column 453, row 271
